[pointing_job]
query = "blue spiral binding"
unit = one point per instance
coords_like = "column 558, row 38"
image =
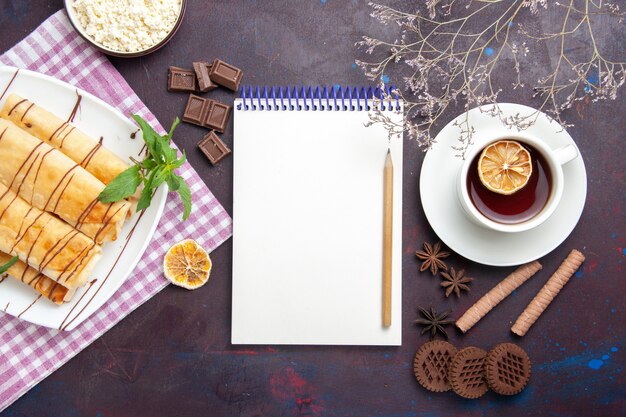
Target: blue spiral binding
column 317, row 99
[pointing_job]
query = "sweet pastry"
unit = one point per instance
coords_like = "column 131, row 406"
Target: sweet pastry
column 466, row 372
column 79, row 147
column 507, row 369
column 430, row 365
column 498, row 293
column 50, row 181
column 551, row 289
column 45, row 242
column 50, row 289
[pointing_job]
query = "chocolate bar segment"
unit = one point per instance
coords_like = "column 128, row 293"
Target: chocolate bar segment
column 207, row 113
column 202, row 73
column 226, row 75
column 181, row 79
column 217, row 115
column 213, row 147
column 196, row 110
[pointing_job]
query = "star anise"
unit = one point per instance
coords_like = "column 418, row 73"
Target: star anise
column 432, row 256
column 455, row 281
column 433, row 322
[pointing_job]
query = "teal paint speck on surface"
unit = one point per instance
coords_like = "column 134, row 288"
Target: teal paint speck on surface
column 595, row 364
column 614, row 349
column 353, row 65
column 605, row 357
column 488, row 51
column 385, row 78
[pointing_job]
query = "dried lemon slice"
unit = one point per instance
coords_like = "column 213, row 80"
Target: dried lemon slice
column 187, row 265
column 505, row 167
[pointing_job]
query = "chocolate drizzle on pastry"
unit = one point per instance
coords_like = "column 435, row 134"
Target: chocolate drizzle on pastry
column 9, row 84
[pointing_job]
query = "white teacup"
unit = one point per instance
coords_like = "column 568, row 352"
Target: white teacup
column 555, row 159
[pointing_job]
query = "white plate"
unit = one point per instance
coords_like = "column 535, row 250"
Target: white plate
column 449, row 221
column 96, row 118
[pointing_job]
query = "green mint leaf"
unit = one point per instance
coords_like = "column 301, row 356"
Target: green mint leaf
column 160, row 177
column 161, row 150
column 146, row 194
column 4, row 268
column 185, row 196
column 159, row 165
column 145, row 199
column 148, row 164
column 178, row 163
column 150, row 137
column 173, row 181
column 175, row 123
column 122, row 186
column 170, row 153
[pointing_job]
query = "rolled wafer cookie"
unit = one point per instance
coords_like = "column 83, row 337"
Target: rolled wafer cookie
column 545, row 296
column 498, row 293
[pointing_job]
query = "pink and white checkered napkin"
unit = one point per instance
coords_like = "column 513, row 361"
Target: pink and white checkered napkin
column 29, row 353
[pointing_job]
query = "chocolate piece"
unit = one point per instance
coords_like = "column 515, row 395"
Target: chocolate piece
column 202, row 73
column 196, row 110
column 181, row 79
column 207, row 113
column 213, row 147
column 507, row 369
column 430, row 365
column 226, row 75
column 217, row 115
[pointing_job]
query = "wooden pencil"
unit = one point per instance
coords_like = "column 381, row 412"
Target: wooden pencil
column 387, row 238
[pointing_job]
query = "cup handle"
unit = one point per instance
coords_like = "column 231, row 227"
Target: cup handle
column 565, row 154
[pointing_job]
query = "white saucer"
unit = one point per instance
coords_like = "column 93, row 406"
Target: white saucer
column 447, row 218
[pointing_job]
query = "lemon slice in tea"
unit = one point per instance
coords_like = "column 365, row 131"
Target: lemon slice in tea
column 187, row 265
column 505, row 167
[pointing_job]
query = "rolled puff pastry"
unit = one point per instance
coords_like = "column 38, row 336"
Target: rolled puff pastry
column 50, row 181
column 50, row 289
column 45, row 242
column 47, row 127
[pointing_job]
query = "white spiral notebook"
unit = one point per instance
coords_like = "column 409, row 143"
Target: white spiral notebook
column 308, row 218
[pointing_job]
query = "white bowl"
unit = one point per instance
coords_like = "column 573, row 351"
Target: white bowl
column 81, row 31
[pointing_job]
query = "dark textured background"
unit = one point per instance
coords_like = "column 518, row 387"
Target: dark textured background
column 172, row 356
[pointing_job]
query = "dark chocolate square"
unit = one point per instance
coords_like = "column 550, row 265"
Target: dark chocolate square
column 196, row 110
column 217, row 115
column 213, row 147
column 226, row 75
column 202, row 73
column 181, row 79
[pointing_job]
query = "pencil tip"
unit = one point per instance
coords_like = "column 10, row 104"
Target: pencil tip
column 388, row 151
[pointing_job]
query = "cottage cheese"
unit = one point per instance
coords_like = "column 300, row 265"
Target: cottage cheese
column 127, row 25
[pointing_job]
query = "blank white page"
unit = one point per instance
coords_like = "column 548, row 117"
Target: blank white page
column 308, row 228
